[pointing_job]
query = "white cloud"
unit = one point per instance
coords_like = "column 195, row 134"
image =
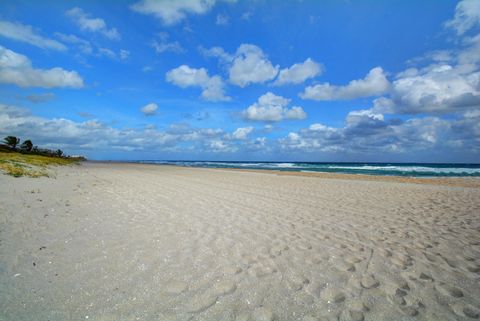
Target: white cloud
column 84, row 46
column 439, row 88
column 357, row 116
column 149, row 109
column 17, row 69
column 449, row 82
column 173, row 11
column 105, row 52
column 368, row 133
column 220, row 146
column 299, row 72
column 216, row 52
column 467, row 16
column 250, row 66
column 222, row 20
column 374, row 83
column 94, row 135
column 272, row 108
column 124, row 54
column 24, row 33
column 163, row 45
column 85, row 22
column 242, row 132
column 184, row 76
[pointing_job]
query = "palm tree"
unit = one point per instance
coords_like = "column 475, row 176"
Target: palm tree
column 11, row 141
column 27, row 145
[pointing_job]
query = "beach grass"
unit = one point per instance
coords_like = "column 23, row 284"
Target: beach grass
column 30, row 165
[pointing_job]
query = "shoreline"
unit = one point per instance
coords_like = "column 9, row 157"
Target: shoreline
column 453, row 181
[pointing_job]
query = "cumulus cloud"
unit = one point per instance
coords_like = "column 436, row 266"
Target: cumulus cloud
column 250, row 65
column 443, row 86
column 242, row 132
column 272, row 108
column 439, row 88
column 85, row 22
column 467, row 16
column 375, row 83
column 173, row 11
column 299, row 72
column 212, row 87
column 24, row 33
column 368, row 133
column 93, row 135
column 17, row 69
column 149, row 109
column 163, row 45
column 220, row 146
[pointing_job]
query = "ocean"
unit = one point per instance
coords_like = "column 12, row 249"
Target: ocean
column 389, row 169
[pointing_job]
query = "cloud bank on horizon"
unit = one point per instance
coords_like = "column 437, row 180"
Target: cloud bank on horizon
column 226, row 80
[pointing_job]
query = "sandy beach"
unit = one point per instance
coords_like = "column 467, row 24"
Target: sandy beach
column 109, row 241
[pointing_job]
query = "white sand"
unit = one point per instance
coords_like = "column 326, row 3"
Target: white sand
column 140, row 242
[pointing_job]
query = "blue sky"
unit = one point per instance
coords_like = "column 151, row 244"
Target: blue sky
column 244, row 80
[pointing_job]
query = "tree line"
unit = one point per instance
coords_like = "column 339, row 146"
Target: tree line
column 27, row 146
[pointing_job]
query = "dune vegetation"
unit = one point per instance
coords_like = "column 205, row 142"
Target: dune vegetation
column 18, row 164
column 28, row 161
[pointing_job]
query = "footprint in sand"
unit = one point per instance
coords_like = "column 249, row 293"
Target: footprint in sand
column 369, row 282
column 262, row 314
column 397, row 297
column 449, row 290
column 409, row 310
column 224, row 287
column 351, row 315
column 296, row 283
column 430, row 257
column 201, row 303
column 352, row 259
column 473, row 268
column 345, row 266
column 261, row 272
column 385, row 252
column 332, row 295
column 426, row 277
column 358, row 305
column 232, row 270
column 467, row 310
column 317, row 259
column 175, row 287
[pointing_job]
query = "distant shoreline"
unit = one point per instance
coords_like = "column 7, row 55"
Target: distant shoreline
column 471, row 182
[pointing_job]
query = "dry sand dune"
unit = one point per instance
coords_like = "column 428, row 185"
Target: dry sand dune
column 140, row 242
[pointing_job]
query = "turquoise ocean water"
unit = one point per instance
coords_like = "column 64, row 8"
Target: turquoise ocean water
column 397, row 169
